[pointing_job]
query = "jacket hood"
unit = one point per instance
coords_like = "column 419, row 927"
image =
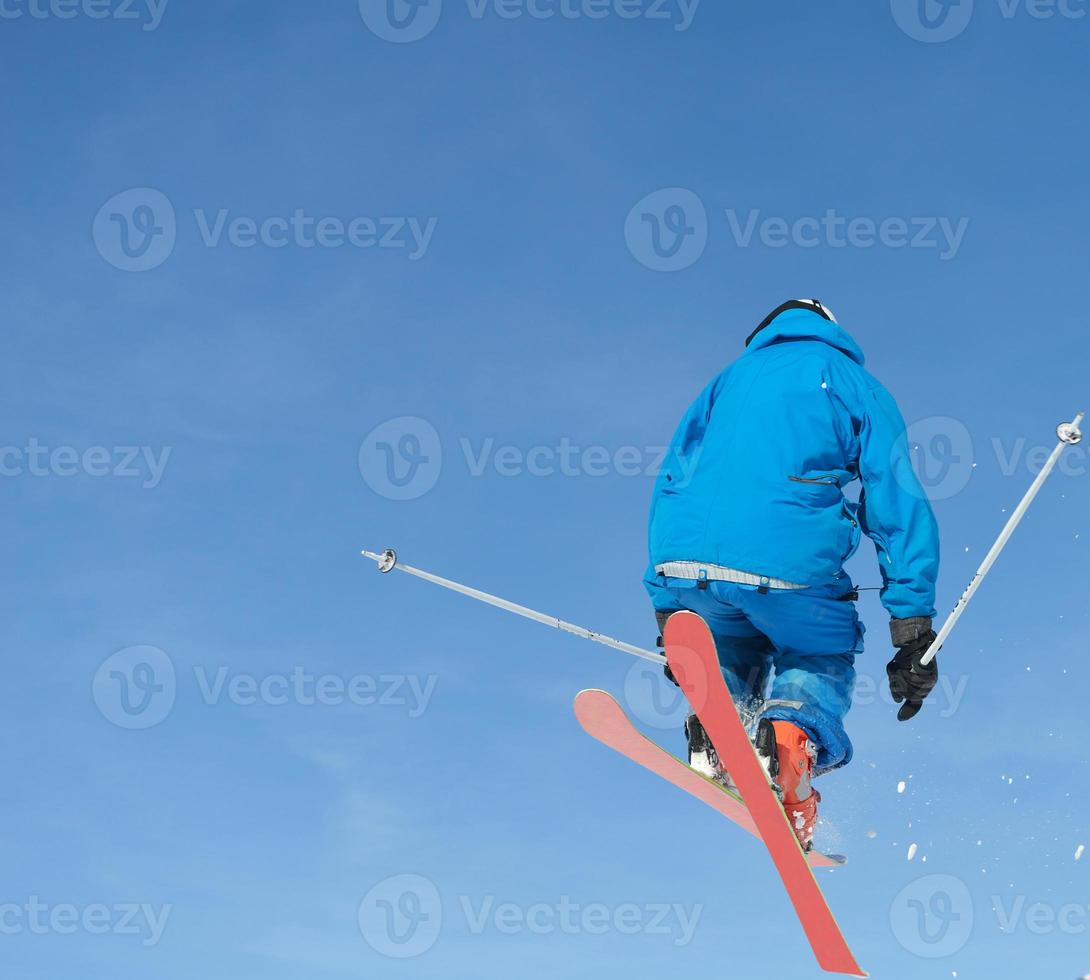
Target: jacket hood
column 796, row 323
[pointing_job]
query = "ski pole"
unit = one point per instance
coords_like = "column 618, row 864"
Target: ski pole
column 1069, row 435
column 387, row 562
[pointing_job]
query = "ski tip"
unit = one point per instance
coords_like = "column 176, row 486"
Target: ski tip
column 593, row 706
column 847, row 968
column 593, row 694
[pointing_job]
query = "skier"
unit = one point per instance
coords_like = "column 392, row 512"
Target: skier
column 750, row 529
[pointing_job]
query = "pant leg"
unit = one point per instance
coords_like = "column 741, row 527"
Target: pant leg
column 744, row 652
column 815, row 638
column 822, row 688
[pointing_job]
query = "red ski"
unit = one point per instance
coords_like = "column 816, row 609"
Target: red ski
column 604, row 719
column 690, row 651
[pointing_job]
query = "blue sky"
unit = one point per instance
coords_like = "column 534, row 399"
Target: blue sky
column 230, row 740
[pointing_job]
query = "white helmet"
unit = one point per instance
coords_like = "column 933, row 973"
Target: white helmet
column 813, row 305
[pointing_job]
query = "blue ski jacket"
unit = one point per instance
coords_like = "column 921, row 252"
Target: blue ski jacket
column 755, row 474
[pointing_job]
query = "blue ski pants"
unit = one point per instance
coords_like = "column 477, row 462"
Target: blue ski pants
column 805, row 640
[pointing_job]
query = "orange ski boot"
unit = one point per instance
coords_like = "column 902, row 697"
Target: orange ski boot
column 788, row 756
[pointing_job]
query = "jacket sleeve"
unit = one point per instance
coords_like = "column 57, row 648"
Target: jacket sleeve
column 894, row 511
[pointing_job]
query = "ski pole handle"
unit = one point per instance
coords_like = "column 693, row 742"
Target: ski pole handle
column 1069, row 435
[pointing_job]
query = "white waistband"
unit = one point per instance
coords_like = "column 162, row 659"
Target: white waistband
column 717, row 573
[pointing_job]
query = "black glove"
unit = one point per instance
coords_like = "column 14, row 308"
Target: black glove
column 909, row 681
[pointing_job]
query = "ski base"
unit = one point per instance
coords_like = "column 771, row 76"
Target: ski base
column 690, row 651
